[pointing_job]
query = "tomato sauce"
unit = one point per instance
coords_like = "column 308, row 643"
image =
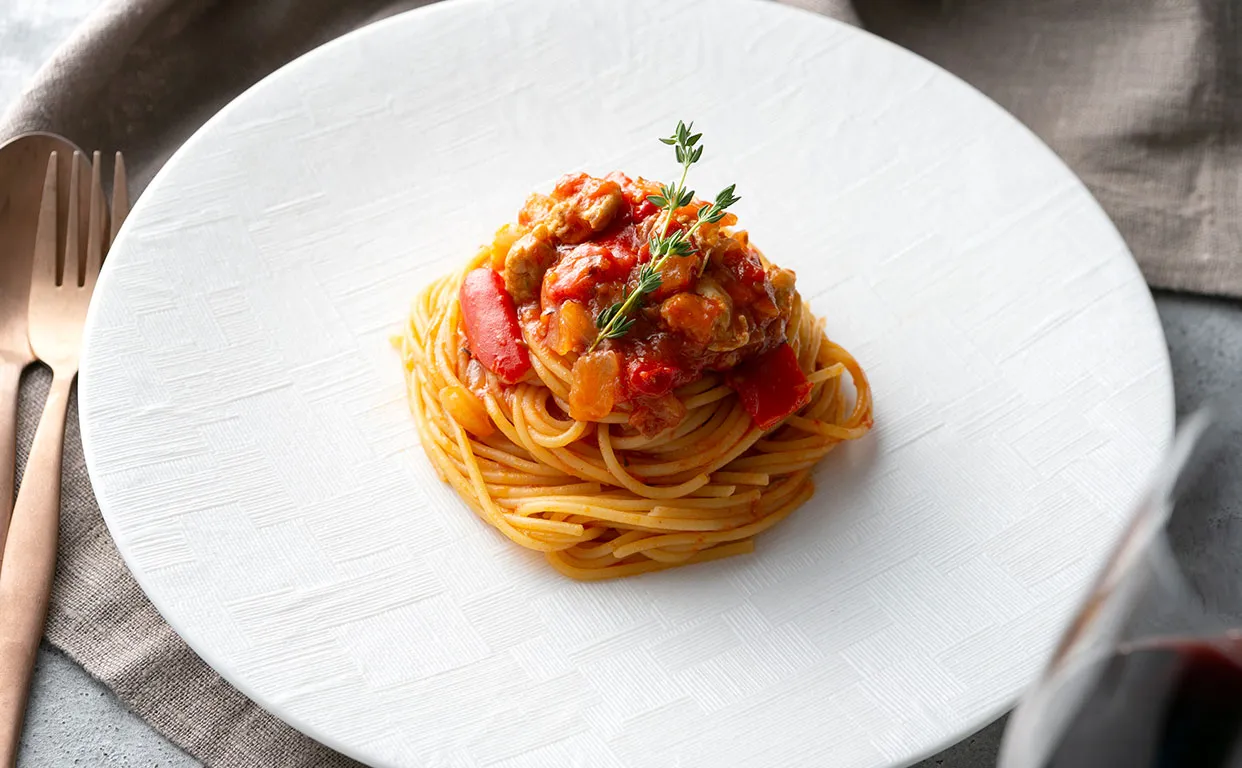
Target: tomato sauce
column 705, row 316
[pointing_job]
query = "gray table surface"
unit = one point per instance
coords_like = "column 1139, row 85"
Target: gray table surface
column 73, row 720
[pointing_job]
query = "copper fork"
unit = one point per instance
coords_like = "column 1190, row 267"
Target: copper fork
column 60, row 292
column 23, row 162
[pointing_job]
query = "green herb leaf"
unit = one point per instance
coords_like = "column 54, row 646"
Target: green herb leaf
column 726, row 198
column 649, row 280
column 616, row 320
column 616, row 329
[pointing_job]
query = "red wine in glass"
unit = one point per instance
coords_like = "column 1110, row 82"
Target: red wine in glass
column 1160, row 704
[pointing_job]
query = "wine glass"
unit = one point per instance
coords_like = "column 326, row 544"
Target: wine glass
column 1149, row 672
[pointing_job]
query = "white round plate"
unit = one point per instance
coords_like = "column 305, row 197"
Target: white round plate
column 249, row 443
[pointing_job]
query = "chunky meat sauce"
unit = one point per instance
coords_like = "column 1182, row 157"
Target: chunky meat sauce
column 581, row 250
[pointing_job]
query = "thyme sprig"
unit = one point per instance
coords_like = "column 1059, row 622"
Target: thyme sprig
column 617, row 319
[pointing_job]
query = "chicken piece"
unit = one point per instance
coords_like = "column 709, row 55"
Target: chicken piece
column 677, row 275
column 593, row 205
column 536, row 209
column 569, row 185
column 733, row 336
column 654, row 415
column 710, row 289
column 782, row 289
column 527, row 260
column 599, row 210
column 718, row 246
column 693, row 316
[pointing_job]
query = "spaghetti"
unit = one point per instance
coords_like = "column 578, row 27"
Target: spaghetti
column 656, row 480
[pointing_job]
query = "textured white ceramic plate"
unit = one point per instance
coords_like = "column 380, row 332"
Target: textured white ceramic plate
column 249, row 444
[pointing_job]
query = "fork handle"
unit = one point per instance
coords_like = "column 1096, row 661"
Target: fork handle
column 10, row 380
column 29, row 566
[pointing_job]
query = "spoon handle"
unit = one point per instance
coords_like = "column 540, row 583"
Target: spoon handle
column 10, row 379
column 30, row 566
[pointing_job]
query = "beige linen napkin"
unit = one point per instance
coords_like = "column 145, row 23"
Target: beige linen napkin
column 1143, row 98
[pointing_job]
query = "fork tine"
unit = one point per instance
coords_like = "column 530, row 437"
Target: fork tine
column 94, row 228
column 45, row 235
column 120, row 197
column 72, row 249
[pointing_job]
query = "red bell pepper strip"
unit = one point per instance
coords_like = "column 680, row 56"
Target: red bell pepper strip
column 492, row 328
column 771, row 386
